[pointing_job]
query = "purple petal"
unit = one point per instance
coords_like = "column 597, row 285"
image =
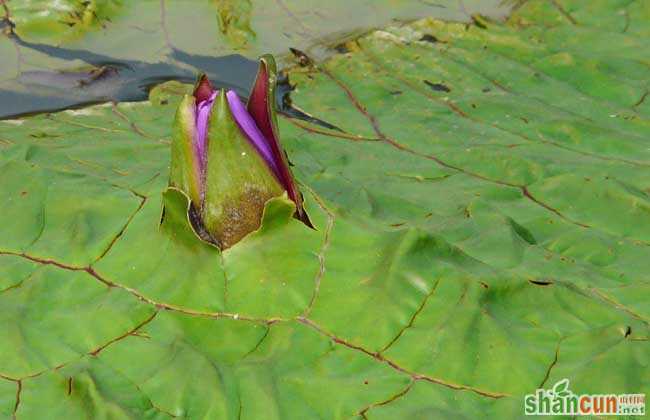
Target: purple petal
column 248, row 126
column 202, row 115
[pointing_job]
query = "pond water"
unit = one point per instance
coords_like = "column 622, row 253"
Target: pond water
column 63, row 54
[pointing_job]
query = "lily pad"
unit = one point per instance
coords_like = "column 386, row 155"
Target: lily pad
column 480, row 232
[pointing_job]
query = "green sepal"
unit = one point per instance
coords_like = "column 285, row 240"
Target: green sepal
column 185, row 173
column 278, row 211
column 238, row 182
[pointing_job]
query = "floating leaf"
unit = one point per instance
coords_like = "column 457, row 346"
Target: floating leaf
column 471, row 244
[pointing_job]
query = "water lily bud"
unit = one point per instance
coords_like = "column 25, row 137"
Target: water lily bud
column 227, row 158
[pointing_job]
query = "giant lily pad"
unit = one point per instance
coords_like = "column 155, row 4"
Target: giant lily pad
column 481, row 231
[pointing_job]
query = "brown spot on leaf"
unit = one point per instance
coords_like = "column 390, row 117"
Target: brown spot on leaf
column 541, row 282
column 429, row 38
column 341, row 48
column 303, row 59
column 438, row 87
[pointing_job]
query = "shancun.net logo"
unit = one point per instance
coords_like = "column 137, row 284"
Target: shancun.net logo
column 561, row 400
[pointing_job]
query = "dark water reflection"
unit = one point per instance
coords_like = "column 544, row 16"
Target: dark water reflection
column 108, row 80
column 43, row 86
